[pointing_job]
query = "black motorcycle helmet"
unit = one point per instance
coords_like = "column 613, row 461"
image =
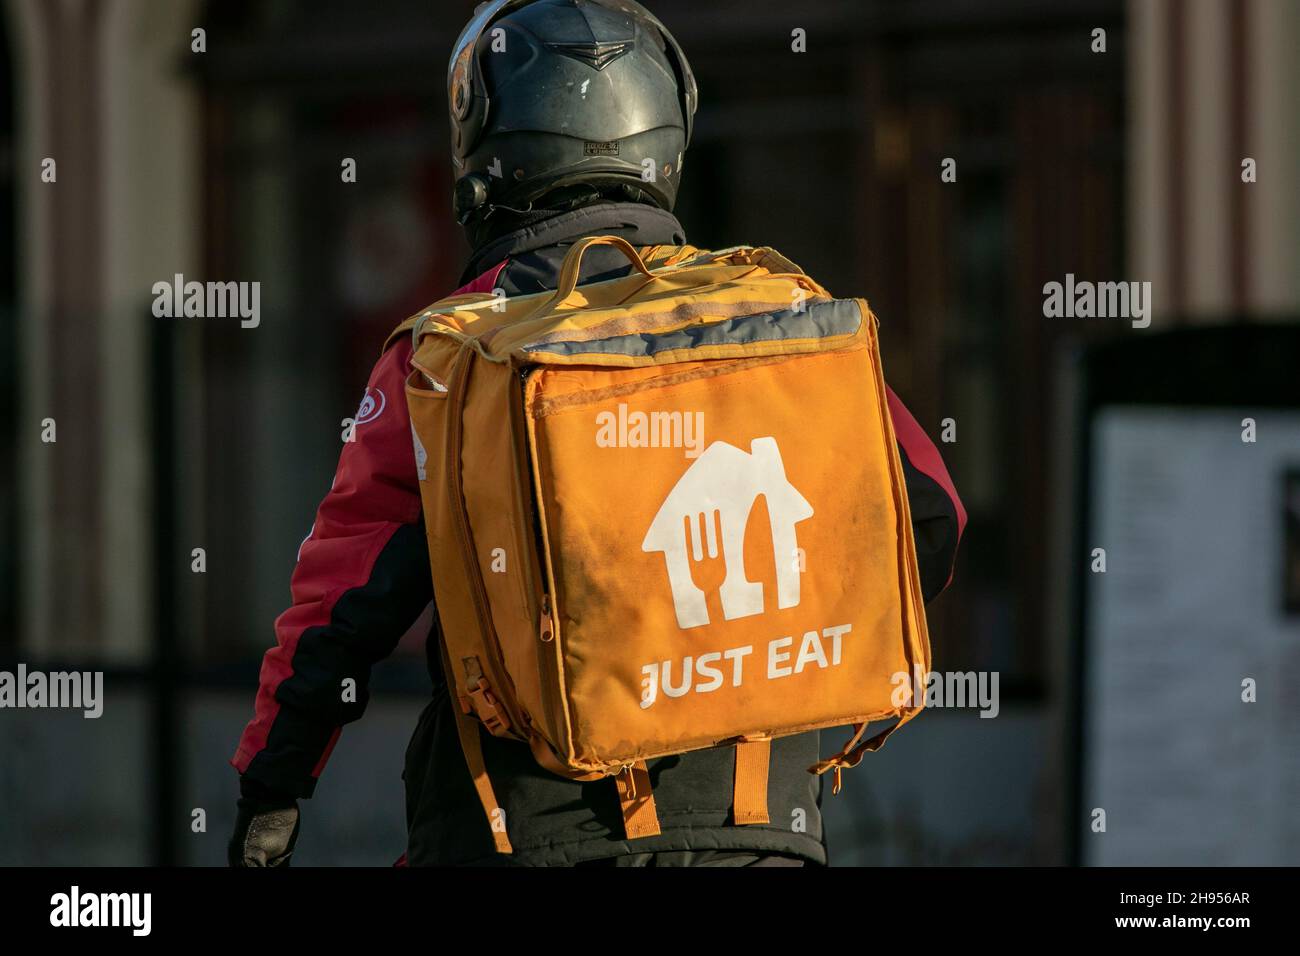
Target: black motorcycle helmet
column 555, row 103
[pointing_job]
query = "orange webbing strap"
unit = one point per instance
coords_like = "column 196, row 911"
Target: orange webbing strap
column 640, row 819
column 851, row 756
column 749, row 800
column 472, row 746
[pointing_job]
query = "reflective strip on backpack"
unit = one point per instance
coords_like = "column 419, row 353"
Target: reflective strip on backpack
column 818, row 320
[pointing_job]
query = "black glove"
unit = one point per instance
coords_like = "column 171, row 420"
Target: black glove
column 266, row 827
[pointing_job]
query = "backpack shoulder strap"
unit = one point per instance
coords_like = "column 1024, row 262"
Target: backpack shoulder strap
column 471, row 744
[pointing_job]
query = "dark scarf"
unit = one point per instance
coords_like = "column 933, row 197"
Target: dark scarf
column 638, row 223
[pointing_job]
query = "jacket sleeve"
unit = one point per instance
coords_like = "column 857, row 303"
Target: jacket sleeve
column 361, row 580
column 938, row 518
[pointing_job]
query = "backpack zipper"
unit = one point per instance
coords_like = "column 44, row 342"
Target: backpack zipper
column 550, row 662
column 545, row 629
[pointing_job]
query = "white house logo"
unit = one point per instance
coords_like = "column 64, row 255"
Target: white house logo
column 371, row 407
column 727, row 481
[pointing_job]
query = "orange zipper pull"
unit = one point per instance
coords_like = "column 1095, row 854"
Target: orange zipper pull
column 545, row 630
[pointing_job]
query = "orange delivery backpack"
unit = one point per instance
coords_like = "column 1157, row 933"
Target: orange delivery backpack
column 665, row 512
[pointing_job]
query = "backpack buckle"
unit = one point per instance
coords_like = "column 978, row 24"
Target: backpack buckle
column 488, row 709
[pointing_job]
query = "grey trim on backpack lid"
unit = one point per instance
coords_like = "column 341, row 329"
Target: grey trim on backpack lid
column 818, row 320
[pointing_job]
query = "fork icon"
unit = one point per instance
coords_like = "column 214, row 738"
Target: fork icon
column 702, row 533
column 716, row 559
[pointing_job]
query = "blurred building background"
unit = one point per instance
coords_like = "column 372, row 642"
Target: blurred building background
column 225, row 164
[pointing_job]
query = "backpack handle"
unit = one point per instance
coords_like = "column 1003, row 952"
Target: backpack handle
column 573, row 263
